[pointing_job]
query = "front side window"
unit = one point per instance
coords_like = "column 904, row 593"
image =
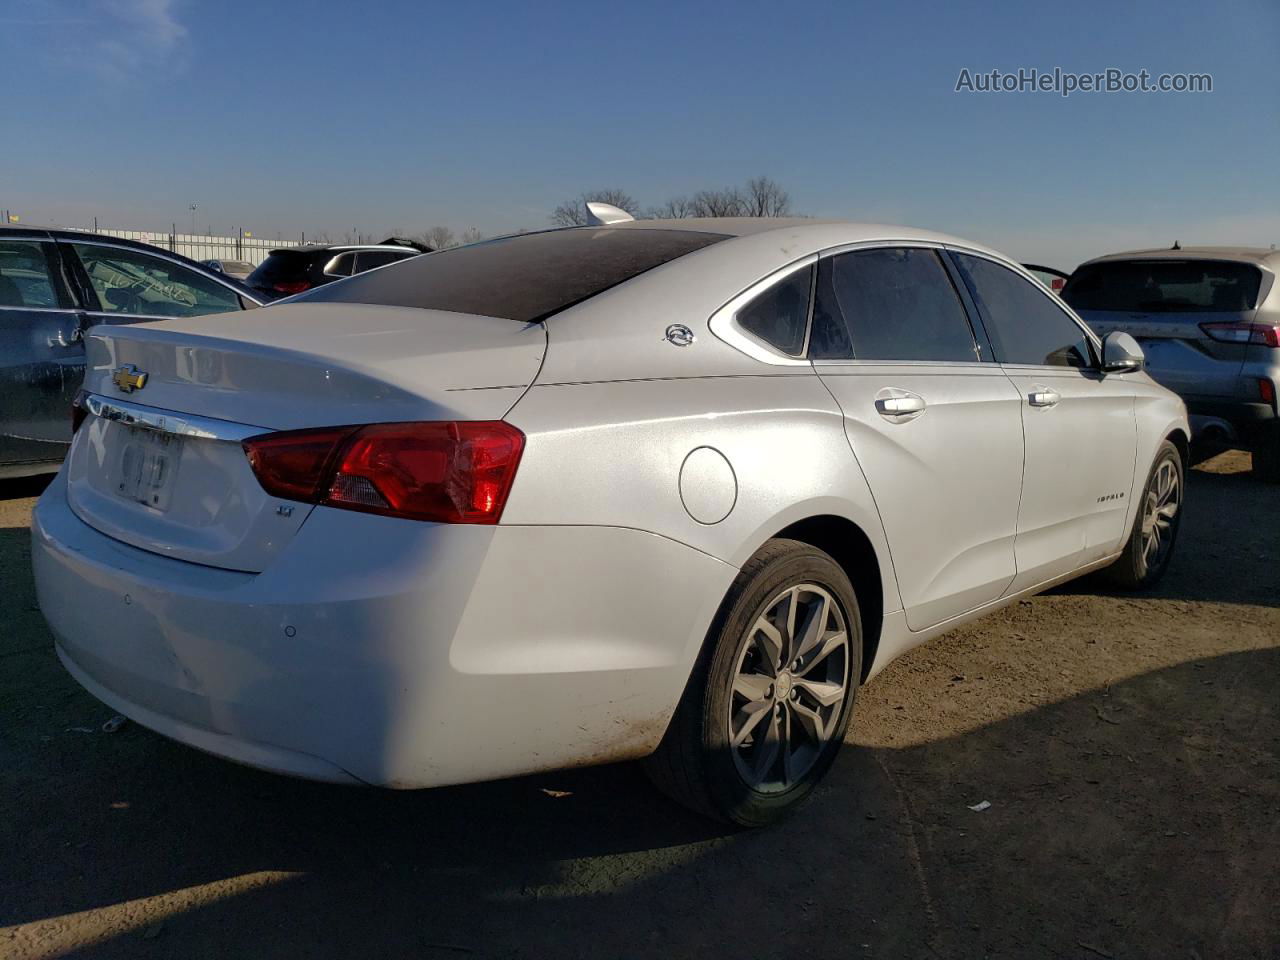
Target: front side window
column 27, row 275
column 1025, row 325
column 132, row 282
column 778, row 315
column 895, row 304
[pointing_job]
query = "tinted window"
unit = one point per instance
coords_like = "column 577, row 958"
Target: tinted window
column 26, row 275
column 285, row 266
column 779, row 315
column 128, row 281
column 894, row 304
column 341, row 265
column 1173, row 286
column 524, row 278
column 368, row 259
column 1025, row 325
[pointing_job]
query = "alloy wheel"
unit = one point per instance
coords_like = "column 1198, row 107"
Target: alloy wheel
column 788, row 687
column 1164, row 497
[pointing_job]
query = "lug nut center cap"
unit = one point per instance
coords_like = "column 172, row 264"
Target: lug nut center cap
column 782, row 685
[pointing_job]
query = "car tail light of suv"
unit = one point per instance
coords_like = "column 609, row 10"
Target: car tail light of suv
column 1260, row 333
column 442, row 471
column 291, row 286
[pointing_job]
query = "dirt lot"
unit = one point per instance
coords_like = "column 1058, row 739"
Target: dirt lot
column 1129, row 747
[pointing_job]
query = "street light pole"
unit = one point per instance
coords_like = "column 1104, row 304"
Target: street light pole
column 193, row 219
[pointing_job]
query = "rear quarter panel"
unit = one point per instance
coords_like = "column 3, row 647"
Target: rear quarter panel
column 611, row 454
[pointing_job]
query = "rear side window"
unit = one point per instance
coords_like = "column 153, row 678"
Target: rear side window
column 778, row 316
column 524, row 278
column 1026, row 326
column 1165, row 286
column 27, row 275
column 342, row 265
column 890, row 304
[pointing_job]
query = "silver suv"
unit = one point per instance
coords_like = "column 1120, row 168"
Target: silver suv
column 1208, row 320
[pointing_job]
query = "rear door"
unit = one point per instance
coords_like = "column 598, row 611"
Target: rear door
column 1166, row 304
column 41, row 354
column 936, row 427
column 1079, row 426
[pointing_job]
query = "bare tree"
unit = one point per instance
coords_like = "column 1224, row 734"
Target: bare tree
column 471, row 235
column 719, row 203
column 439, row 238
column 766, row 198
column 573, row 213
column 677, row 208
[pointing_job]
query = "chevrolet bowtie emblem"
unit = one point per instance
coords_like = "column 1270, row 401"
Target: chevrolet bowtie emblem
column 129, row 378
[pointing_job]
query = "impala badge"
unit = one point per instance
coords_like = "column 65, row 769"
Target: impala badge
column 129, row 378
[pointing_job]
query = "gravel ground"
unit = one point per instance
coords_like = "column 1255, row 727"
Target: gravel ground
column 1129, row 747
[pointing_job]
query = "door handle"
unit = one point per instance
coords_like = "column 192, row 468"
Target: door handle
column 1043, row 397
column 906, row 407
column 77, row 335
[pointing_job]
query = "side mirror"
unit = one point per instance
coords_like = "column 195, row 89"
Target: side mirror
column 1121, row 353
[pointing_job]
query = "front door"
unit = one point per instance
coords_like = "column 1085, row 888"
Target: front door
column 935, row 427
column 1080, row 428
column 41, row 356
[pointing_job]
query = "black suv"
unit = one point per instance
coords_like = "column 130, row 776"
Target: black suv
column 291, row 270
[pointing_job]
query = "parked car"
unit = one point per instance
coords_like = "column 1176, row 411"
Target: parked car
column 1051, row 277
column 664, row 489
column 291, row 270
column 1208, row 320
column 239, row 269
column 53, row 285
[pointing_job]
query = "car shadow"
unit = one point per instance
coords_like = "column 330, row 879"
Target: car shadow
column 16, row 488
column 1228, row 548
column 127, row 845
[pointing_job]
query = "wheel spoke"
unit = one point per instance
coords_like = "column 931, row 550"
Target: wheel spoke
column 771, row 643
column 767, row 746
column 750, row 717
column 790, row 773
column 1168, row 511
column 826, row 692
column 810, row 720
column 815, row 625
column 752, row 686
column 829, row 646
column 793, row 601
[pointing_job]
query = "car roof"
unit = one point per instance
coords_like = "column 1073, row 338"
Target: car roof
column 329, row 247
column 1257, row 255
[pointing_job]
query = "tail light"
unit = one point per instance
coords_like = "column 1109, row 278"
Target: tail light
column 447, row 472
column 1267, row 391
column 1260, row 333
column 291, row 286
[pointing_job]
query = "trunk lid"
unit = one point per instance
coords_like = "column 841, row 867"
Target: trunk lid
column 160, row 466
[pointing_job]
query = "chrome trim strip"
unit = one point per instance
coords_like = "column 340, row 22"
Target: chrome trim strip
column 165, row 421
column 72, row 310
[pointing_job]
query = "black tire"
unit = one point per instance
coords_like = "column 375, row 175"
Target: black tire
column 695, row 763
column 1134, row 569
column 1266, row 457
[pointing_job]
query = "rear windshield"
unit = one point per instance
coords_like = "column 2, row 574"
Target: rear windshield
column 281, row 265
column 1169, row 286
column 524, row 278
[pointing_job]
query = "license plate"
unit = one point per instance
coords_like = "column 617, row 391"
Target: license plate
column 148, row 467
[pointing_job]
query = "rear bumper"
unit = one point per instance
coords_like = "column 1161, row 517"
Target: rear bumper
column 387, row 651
column 1242, row 422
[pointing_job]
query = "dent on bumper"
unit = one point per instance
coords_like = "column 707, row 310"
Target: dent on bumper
column 388, row 651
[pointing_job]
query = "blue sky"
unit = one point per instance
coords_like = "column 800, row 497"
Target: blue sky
column 385, row 115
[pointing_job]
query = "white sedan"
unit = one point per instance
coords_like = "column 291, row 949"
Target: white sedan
column 663, row 489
